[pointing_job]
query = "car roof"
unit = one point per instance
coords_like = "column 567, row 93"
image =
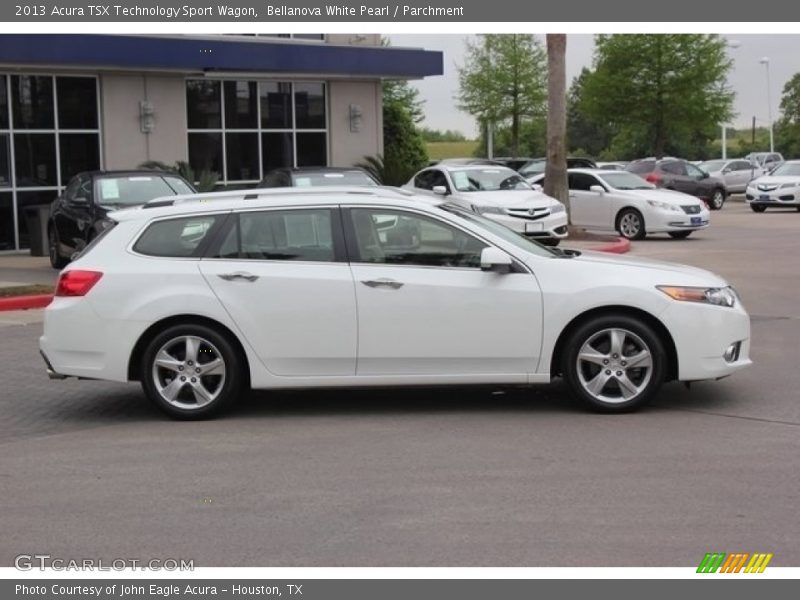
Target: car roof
column 128, row 172
column 475, row 167
column 213, row 202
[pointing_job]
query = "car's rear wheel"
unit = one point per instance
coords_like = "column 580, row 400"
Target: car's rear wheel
column 717, row 199
column 191, row 371
column 630, row 224
column 758, row 208
column 614, row 363
column 56, row 260
column 679, row 235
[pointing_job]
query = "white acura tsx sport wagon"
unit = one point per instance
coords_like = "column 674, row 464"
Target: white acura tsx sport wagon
column 200, row 297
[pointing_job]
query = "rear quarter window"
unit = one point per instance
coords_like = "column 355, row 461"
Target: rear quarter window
column 175, row 238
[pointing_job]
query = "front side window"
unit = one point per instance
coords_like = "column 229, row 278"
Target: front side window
column 402, row 238
column 298, row 235
column 175, row 238
column 582, row 182
column 694, row 171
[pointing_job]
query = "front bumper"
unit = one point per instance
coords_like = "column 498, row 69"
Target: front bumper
column 660, row 221
column 550, row 226
column 778, row 197
column 703, row 333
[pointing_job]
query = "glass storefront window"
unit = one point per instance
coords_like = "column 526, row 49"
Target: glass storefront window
column 35, row 159
column 241, row 111
column 77, row 102
column 241, row 152
column 309, row 103
column 277, row 150
column 203, row 106
column 32, row 101
column 7, row 221
column 276, row 105
column 78, row 152
column 205, row 152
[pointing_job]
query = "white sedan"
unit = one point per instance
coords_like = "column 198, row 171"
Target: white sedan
column 201, row 297
column 781, row 188
column 623, row 202
column 499, row 193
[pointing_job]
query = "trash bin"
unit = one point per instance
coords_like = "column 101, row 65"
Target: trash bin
column 36, row 219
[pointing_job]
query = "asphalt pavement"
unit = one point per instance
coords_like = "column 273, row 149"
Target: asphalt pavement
column 447, row 477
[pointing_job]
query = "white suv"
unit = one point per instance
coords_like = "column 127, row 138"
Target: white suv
column 202, row 296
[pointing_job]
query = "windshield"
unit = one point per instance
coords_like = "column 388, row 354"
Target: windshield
column 534, row 167
column 712, row 165
column 357, row 178
column 500, row 230
column 790, row 169
column 626, row 181
column 131, row 190
column 488, row 179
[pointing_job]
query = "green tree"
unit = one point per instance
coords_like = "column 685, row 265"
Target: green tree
column 503, row 81
column 661, row 92
column 532, row 139
column 583, row 133
column 787, row 129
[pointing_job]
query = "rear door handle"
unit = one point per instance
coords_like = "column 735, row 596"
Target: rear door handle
column 383, row 283
column 238, row 275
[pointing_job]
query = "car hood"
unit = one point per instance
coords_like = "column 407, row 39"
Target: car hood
column 675, row 273
column 776, row 179
column 662, row 195
column 508, row 199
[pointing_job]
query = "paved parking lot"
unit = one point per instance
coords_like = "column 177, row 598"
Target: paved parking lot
column 425, row 477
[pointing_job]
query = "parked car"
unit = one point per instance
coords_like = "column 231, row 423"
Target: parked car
column 466, row 161
column 537, row 165
column 767, row 161
column 612, row 166
column 498, row 193
column 512, row 163
column 619, row 201
column 781, row 188
column 736, row 173
column 317, row 176
column 682, row 176
column 79, row 214
column 209, row 296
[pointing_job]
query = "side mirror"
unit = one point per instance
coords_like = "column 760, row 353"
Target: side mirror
column 440, row 190
column 537, row 187
column 495, row 260
column 703, row 175
column 598, row 189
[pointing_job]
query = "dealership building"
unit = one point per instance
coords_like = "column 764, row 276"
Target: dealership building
column 235, row 104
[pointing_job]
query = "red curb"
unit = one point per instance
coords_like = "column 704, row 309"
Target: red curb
column 25, row 302
column 621, row 246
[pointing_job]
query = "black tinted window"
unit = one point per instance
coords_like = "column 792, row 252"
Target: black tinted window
column 176, row 238
column 582, row 181
column 424, row 180
column 281, row 235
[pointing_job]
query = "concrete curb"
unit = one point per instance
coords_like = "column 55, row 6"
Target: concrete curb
column 620, row 246
column 25, row 302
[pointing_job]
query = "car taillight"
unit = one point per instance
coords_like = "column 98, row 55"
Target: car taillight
column 77, row 283
column 653, row 178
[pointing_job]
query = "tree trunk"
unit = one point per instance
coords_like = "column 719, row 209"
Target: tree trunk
column 555, row 178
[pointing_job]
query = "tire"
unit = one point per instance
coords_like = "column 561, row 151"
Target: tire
column 630, row 224
column 181, row 349
column 551, row 242
column 595, row 341
column 56, row 260
column 759, row 208
column 717, row 199
column 679, row 235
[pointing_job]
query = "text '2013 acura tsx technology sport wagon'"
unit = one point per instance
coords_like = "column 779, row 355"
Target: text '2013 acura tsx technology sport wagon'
column 200, row 297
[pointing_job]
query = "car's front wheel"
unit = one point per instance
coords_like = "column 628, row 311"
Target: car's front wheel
column 717, row 199
column 630, row 224
column 759, row 208
column 56, row 260
column 614, row 363
column 679, row 235
column 191, row 371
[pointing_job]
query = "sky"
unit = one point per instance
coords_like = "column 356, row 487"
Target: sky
column 747, row 78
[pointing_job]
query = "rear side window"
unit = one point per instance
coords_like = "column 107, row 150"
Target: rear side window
column 175, row 238
column 304, row 235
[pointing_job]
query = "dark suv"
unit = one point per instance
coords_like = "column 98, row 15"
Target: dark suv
column 682, row 176
column 79, row 213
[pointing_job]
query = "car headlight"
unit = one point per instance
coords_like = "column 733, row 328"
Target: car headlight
column 488, row 210
column 557, row 208
column 664, row 206
column 717, row 296
column 790, row 185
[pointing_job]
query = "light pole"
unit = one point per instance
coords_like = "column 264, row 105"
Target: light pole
column 765, row 61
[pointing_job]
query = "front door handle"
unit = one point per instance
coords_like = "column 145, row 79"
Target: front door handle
column 238, row 275
column 383, row 283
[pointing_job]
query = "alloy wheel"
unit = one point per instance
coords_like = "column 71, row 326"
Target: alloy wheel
column 630, row 225
column 188, row 372
column 614, row 365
